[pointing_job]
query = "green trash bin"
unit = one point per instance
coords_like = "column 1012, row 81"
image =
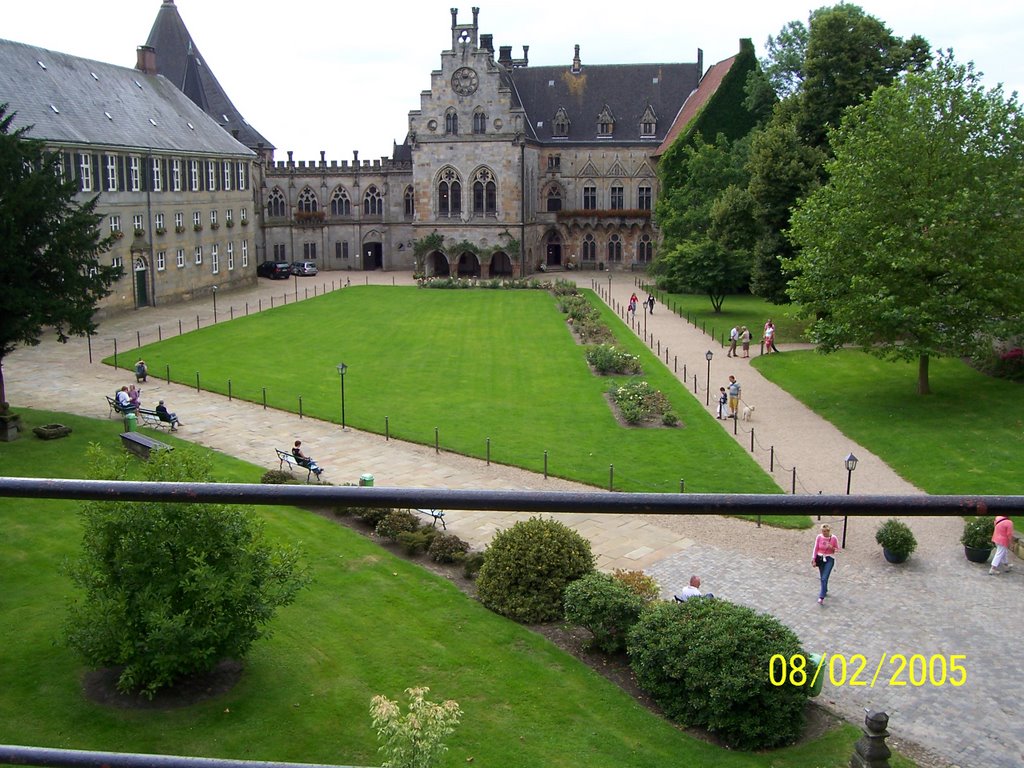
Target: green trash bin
column 131, row 421
column 813, row 662
column 366, row 480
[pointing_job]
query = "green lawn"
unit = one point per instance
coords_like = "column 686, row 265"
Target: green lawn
column 474, row 364
column 370, row 623
column 967, row 437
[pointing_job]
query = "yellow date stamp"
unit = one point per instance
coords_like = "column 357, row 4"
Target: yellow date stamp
column 896, row 669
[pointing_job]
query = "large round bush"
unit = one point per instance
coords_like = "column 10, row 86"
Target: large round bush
column 706, row 662
column 604, row 605
column 528, row 567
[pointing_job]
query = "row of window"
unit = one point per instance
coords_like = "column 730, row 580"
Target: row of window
column 613, row 249
column 560, row 124
column 309, row 251
column 340, row 204
column 198, row 257
column 135, row 173
column 451, row 122
column 589, row 194
column 160, row 223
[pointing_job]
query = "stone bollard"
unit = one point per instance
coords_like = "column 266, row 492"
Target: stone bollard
column 870, row 750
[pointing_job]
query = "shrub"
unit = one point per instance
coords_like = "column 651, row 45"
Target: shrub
column 472, row 563
column 528, row 567
column 640, row 583
column 896, row 536
column 277, row 477
column 396, row 521
column 447, row 548
column 706, row 662
column 593, row 331
column 978, row 532
column 415, row 739
column 371, row 515
column 638, row 401
column 416, row 542
column 172, row 589
column 606, row 359
column 605, row 606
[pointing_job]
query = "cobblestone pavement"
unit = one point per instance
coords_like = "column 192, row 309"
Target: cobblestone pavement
column 937, row 604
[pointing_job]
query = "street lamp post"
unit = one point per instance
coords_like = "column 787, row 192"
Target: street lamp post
column 341, row 372
column 851, row 464
column 215, row 305
column 707, row 356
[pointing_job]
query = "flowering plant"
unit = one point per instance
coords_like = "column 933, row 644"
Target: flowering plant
column 415, row 739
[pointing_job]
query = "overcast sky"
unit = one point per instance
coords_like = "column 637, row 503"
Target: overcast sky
column 341, row 76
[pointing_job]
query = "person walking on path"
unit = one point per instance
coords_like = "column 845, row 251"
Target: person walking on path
column 650, row 303
column 723, row 401
column 734, row 397
column 734, row 336
column 823, row 558
column 1001, row 537
column 769, row 337
column 745, row 340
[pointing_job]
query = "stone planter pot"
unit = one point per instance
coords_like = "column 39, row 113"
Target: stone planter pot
column 892, row 557
column 51, row 431
column 977, row 554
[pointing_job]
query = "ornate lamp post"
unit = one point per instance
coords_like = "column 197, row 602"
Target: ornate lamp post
column 707, row 356
column 215, row 305
column 341, row 372
column 851, row 464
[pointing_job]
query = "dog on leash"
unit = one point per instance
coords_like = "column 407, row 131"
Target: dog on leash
column 748, row 412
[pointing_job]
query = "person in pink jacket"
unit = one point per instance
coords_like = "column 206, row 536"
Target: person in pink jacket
column 823, row 558
column 1001, row 537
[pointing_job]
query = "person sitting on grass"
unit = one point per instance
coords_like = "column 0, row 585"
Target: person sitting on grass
column 171, row 418
column 305, row 461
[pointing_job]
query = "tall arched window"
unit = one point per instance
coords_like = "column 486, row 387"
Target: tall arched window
column 645, row 249
column 275, row 203
column 590, row 198
column 307, row 201
column 449, row 193
column 451, row 122
column 479, row 121
column 410, row 202
column 485, row 193
column 589, row 248
column 340, row 204
column 618, row 197
column 373, row 202
column 614, row 248
column 554, row 198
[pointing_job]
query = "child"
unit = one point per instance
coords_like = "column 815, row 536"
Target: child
column 723, row 400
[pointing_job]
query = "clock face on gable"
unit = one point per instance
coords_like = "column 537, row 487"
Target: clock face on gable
column 465, row 81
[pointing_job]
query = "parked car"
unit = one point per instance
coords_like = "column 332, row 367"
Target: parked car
column 275, row 270
column 304, row 268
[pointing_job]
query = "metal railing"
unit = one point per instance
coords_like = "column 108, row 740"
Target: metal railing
column 76, row 758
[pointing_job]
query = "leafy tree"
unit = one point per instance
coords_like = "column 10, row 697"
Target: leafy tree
column 784, row 59
column 49, row 247
column 912, row 249
column 172, row 589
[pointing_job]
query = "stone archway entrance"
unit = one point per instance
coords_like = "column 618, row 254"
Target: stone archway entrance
column 141, row 282
column 553, row 250
column 469, row 265
column 437, row 265
column 500, row 266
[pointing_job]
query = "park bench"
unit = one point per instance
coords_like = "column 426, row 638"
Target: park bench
column 142, row 445
column 152, row 419
column 437, row 514
column 286, row 457
column 116, row 408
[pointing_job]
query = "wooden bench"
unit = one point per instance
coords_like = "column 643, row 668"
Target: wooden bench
column 116, row 408
column 437, row 514
column 142, row 445
column 286, row 457
column 152, row 419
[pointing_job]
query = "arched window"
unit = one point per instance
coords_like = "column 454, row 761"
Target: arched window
column 589, row 248
column 340, row 204
column 560, row 125
column 307, row 201
column 485, row 193
column 451, row 122
column 479, row 121
column 643, row 197
column 449, row 193
column 554, row 198
column 645, row 249
column 590, row 198
column 275, row 204
column 614, row 248
column 618, row 197
column 373, row 202
column 410, row 202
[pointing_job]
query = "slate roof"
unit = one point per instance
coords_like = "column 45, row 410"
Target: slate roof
column 697, row 100
column 178, row 59
column 626, row 89
column 78, row 101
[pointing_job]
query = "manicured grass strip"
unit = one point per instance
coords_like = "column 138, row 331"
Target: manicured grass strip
column 967, row 437
column 370, row 623
column 473, row 364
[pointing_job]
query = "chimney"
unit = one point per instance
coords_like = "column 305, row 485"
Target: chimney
column 505, row 55
column 145, row 59
column 487, row 43
column 323, row 157
column 577, row 65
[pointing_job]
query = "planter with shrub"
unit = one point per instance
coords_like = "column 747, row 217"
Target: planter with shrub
column 897, row 540
column 977, row 539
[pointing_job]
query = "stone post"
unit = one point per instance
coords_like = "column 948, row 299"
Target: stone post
column 870, row 750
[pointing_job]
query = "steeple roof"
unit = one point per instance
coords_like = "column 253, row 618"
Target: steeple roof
column 179, row 60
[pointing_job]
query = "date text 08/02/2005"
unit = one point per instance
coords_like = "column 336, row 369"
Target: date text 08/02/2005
column 896, row 669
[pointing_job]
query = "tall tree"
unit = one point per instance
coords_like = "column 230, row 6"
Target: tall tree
column 912, row 249
column 49, row 247
column 783, row 61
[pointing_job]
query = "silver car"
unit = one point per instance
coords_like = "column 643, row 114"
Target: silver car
column 304, row 268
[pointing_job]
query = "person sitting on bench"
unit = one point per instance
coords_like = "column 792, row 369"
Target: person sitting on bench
column 170, row 418
column 304, row 460
column 693, row 590
column 124, row 401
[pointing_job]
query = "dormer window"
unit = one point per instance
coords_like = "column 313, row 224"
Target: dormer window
column 649, row 123
column 560, row 123
column 605, row 122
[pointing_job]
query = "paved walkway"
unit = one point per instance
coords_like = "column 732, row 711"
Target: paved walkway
column 936, row 604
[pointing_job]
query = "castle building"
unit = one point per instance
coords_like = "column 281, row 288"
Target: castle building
column 506, row 168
